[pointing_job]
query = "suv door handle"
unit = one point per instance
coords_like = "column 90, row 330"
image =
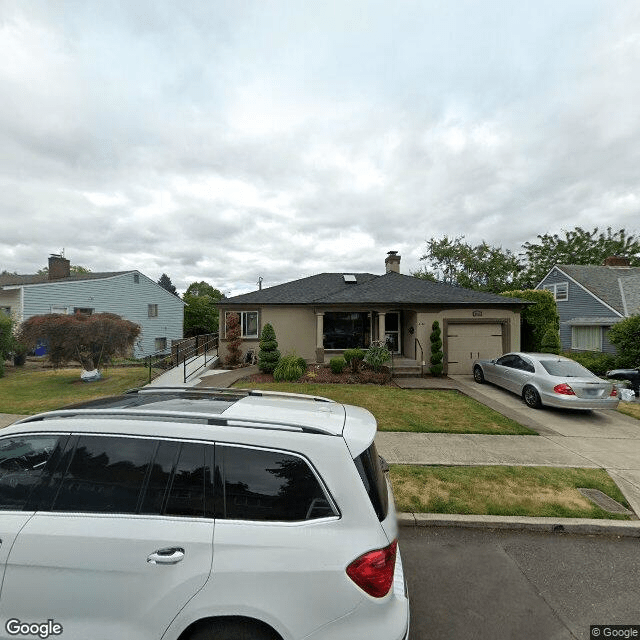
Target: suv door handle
column 170, row 555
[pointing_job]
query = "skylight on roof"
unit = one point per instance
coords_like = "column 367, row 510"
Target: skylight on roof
column 349, row 278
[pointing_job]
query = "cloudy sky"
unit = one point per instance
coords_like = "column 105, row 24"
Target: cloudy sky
column 223, row 140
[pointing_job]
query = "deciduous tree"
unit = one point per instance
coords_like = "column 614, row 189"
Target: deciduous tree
column 91, row 340
column 200, row 312
column 481, row 267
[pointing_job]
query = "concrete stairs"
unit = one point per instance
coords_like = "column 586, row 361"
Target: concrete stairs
column 406, row 367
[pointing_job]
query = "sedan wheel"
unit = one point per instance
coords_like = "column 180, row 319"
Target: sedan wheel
column 478, row 376
column 531, row 397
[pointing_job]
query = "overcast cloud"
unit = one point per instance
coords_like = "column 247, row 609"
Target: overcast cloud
column 222, row 140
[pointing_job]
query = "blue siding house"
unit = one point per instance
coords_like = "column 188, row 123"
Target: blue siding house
column 129, row 294
column 591, row 299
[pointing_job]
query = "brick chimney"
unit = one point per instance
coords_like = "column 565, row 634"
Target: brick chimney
column 617, row 261
column 392, row 262
column 59, row 267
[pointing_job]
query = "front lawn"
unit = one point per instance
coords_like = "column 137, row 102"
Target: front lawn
column 410, row 410
column 630, row 409
column 502, row 491
column 29, row 391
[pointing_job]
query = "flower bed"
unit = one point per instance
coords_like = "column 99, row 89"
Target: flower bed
column 322, row 374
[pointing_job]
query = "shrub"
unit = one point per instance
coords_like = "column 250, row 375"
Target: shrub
column 7, row 340
column 596, row 361
column 535, row 319
column 268, row 355
column 550, row 341
column 377, row 354
column 625, row 335
column 436, row 349
column 92, row 340
column 337, row 364
column 234, row 339
column 289, row 369
column 302, row 363
column 353, row 357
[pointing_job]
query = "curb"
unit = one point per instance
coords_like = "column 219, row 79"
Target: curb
column 623, row 528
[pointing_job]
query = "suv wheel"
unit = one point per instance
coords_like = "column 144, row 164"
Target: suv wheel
column 230, row 629
column 531, row 397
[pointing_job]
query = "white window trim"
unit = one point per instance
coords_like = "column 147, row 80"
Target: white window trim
column 61, row 310
column 578, row 341
column 554, row 290
column 241, row 314
column 153, row 307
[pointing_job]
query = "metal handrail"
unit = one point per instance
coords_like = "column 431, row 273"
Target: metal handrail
column 415, row 347
column 190, row 354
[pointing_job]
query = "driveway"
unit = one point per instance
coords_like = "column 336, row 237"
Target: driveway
column 593, row 439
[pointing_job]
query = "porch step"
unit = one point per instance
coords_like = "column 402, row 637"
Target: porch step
column 406, row 368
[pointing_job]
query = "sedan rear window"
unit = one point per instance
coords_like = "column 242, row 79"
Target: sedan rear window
column 564, row 369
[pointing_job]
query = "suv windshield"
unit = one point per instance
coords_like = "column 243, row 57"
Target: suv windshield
column 370, row 470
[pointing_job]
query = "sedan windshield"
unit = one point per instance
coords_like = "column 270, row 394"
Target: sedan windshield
column 564, row 369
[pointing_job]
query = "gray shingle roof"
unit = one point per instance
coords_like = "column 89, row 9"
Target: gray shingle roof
column 16, row 280
column 607, row 283
column 390, row 288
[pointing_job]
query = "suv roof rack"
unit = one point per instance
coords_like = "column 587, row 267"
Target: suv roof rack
column 225, row 391
column 183, row 416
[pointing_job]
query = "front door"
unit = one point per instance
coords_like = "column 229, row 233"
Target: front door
column 392, row 331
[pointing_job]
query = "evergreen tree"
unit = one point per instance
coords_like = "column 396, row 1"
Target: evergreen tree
column 165, row 282
column 268, row 356
column 436, row 350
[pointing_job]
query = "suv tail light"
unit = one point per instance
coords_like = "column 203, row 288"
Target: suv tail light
column 564, row 389
column 373, row 571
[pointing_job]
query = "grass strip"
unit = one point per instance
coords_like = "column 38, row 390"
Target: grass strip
column 410, row 410
column 25, row 391
column 630, row 409
column 503, row 491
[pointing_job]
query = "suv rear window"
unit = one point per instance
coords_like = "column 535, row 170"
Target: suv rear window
column 269, row 485
column 370, row 470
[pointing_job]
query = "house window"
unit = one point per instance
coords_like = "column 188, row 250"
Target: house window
column 560, row 290
column 84, row 311
column 153, row 310
column 586, row 338
column 248, row 323
column 161, row 344
column 62, row 310
column 136, row 278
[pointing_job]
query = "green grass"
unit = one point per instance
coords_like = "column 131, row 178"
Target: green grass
column 411, row 410
column 630, row 409
column 502, row 491
column 28, row 391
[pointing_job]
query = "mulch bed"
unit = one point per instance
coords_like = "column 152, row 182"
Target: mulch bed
column 320, row 374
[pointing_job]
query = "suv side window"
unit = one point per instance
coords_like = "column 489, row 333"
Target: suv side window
column 22, row 462
column 370, row 470
column 268, row 485
column 105, row 475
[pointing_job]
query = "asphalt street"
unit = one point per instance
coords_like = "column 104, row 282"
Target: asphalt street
column 490, row 585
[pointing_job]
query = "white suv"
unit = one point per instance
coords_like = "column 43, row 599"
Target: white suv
column 192, row 514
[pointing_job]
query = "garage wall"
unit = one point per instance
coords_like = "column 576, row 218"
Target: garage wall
column 488, row 335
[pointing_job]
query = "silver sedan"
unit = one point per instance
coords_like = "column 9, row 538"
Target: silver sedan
column 547, row 379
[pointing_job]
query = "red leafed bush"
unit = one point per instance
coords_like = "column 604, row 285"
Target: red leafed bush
column 234, row 339
column 91, row 340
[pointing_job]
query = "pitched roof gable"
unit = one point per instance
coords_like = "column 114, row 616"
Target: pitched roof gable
column 615, row 286
column 390, row 288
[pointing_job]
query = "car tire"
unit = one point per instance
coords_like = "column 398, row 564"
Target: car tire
column 234, row 629
column 531, row 397
column 478, row 375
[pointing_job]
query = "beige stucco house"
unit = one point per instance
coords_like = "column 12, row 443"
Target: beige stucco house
column 320, row 316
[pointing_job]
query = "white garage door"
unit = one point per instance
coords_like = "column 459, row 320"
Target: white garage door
column 468, row 342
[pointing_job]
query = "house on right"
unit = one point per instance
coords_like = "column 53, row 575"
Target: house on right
column 591, row 299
